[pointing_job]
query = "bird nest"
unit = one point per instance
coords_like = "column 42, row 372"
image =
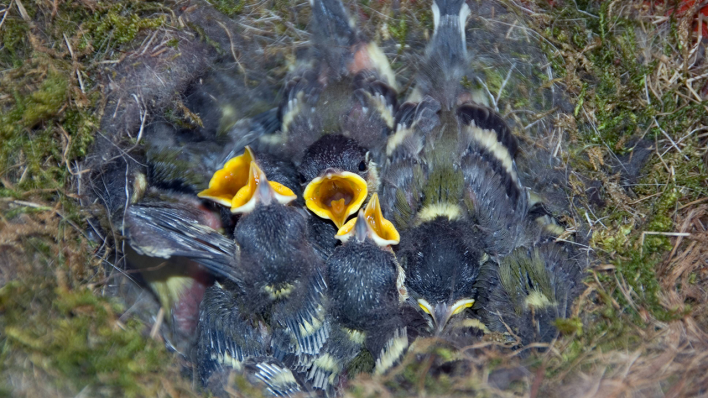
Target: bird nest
column 626, row 143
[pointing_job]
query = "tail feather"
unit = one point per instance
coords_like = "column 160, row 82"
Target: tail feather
column 448, row 43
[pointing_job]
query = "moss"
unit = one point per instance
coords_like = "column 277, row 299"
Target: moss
column 569, row 326
column 15, row 42
column 31, row 108
column 363, row 363
column 81, row 125
column 230, row 8
column 80, row 337
column 121, row 22
column 398, row 29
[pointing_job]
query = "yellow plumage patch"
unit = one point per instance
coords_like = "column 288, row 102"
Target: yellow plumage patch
column 448, row 210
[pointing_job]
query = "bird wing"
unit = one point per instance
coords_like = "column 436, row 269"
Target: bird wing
column 530, row 289
column 279, row 380
column 406, row 171
column 498, row 200
column 341, row 348
column 305, row 329
column 226, row 337
column 165, row 230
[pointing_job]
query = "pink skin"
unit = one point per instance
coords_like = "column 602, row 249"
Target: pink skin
column 362, row 60
column 185, row 313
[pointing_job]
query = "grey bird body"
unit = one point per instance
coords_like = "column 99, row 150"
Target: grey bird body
column 529, row 290
column 449, row 182
column 345, row 86
column 364, row 306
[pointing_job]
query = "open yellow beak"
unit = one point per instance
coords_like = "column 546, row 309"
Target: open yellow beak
column 245, row 199
column 226, row 183
column 384, row 233
column 336, row 196
column 229, row 182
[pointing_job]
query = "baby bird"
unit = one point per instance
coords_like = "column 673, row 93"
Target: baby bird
column 276, row 273
column 177, row 282
column 449, row 182
column 364, row 299
column 346, row 87
column 441, row 259
column 339, row 174
column 450, row 157
column 529, row 290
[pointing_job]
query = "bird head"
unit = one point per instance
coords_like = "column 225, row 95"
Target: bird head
column 241, row 183
column 339, row 176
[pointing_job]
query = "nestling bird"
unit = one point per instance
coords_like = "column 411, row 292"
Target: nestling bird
column 338, row 175
column 441, row 259
column 276, row 271
column 346, row 86
column 451, row 157
column 449, row 182
column 177, row 282
column 364, row 299
column 529, row 290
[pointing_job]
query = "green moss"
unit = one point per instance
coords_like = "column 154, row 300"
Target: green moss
column 398, row 28
column 363, row 363
column 15, row 43
column 80, row 337
column 81, row 125
column 34, row 107
column 569, row 326
column 230, row 8
column 120, row 23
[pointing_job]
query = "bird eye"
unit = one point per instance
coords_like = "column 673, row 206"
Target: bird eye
column 362, row 166
column 302, row 179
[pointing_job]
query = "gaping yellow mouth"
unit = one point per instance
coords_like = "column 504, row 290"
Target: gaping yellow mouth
column 336, row 196
column 384, row 233
column 235, row 185
column 245, row 199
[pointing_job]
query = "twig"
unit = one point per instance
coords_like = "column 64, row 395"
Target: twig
column 506, row 80
column 143, row 117
column 158, row 323
column 73, row 60
column 669, row 138
column 4, row 15
column 489, row 93
column 644, row 233
column 23, row 12
column 695, row 202
column 233, row 51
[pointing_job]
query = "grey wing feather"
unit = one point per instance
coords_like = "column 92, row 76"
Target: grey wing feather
column 491, row 180
column 306, row 328
column 530, row 289
column 226, row 337
column 340, row 349
column 165, row 230
column 279, row 380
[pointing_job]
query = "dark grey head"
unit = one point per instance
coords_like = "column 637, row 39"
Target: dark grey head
column 334, row 152
column 441, row 259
